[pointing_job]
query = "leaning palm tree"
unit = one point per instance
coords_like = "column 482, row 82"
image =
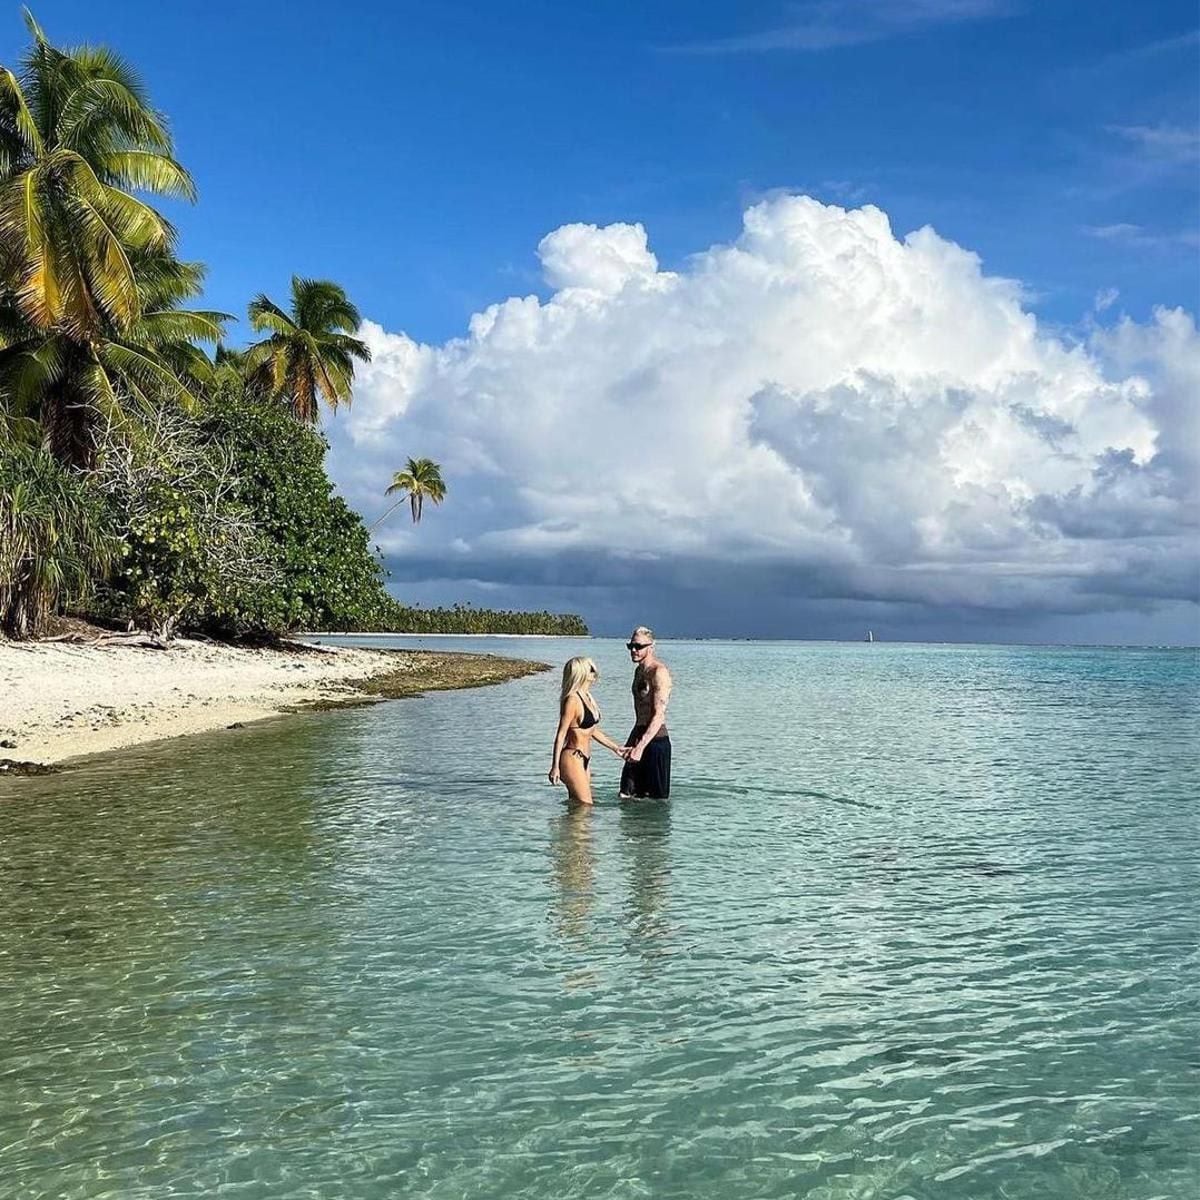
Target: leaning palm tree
column 421, row 480
column 309, row 353
column 77, row 138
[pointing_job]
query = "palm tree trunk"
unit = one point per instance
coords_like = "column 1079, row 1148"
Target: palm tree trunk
column 68, row 422
column 386, row 514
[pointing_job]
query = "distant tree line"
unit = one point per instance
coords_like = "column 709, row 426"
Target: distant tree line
column 466, row 618
column 144, row 479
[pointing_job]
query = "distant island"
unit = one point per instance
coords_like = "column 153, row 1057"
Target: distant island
column 466, row 618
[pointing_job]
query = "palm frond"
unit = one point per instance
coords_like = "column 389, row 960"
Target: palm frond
column 112, row 280
column 163, row 280
column 34, row 28
column 180, row 325
column 350, row 346
column 334, row 383
column 23, row 221
column 265, row 314
column 14, row 328
column 321, row 306
column 257, row 355
column 28, row 371
column 146, row 171
column 139, row 225
column 140, row 366
column 188, row 362
column 106, row 104
column 16, row 108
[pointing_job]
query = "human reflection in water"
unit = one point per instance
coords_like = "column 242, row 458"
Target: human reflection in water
column 646, row 848
column 572, row 842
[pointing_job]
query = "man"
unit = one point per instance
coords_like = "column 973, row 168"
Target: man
column 648, row 769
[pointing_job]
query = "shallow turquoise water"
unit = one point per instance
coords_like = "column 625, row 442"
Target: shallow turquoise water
column 917, row 922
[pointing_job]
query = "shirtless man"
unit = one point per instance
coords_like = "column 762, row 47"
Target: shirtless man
column 648, row 771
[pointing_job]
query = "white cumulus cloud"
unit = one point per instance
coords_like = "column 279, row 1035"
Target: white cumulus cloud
column 818, row 409
column 603, row 260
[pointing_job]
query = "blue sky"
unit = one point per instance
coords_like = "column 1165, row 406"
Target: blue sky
column 420, row 153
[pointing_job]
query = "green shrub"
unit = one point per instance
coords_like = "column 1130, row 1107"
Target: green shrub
column 326, row 574
column 55, row 538
column 192, row 555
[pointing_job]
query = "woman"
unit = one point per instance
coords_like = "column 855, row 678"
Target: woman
column 578, row 726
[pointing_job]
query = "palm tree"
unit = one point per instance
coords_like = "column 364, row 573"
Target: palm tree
column 309, row 352
column 421, row 480
column 83, row 261
column 77, row 135
column 52, row 384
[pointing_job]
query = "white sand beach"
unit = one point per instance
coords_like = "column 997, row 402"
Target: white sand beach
column 58, row 701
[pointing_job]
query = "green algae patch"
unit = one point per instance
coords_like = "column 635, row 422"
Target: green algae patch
column 418, row 671
column 415, row 672
column 327, row 704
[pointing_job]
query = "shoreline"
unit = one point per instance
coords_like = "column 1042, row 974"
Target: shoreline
column 65, row 701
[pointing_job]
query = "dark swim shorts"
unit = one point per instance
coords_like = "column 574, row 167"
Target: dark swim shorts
column 651, row 777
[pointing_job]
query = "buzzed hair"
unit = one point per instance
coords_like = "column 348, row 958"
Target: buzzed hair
column 642, row 631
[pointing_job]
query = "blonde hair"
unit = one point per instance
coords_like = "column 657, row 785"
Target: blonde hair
column 576, row 673
column 642, row 631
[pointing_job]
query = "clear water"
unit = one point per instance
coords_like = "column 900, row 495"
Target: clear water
column 918, row 922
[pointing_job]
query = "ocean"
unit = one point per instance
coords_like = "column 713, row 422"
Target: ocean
column 918, row 921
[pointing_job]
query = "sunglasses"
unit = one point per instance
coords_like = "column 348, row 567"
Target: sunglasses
column 637, row 645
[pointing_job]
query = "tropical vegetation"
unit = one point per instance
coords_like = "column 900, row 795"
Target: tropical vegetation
column 92, row 328
column 55, row 538
column 144, row 479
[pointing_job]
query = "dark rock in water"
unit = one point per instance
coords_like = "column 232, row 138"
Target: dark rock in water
column 236, row 725
column 74, row 933
column 7, row 744
column 10, row 766
column 988, row 868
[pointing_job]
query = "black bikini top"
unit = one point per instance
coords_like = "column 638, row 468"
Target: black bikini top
column 587, row 720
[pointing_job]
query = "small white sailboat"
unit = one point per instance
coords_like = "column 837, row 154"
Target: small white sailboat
column 870, row 636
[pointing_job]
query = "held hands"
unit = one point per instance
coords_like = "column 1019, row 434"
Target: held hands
column 624, row 753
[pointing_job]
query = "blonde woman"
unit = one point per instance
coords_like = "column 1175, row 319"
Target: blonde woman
column 578, row 726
